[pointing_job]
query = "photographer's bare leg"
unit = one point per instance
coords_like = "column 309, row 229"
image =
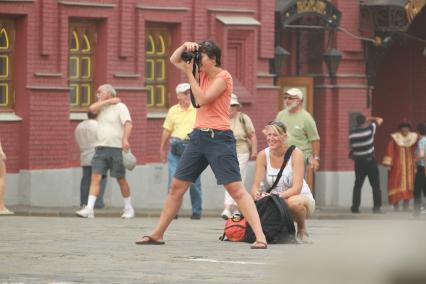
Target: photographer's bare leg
column 171, row 207
column 2, row 183
column 247, row 207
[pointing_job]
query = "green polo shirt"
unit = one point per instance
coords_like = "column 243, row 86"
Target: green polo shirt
column 301, row 129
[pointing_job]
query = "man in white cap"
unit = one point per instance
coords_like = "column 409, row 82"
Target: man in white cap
column 179, row 123
column 301, row 127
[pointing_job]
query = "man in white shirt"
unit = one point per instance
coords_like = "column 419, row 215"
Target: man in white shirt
column 86, row 138
column 114, row 128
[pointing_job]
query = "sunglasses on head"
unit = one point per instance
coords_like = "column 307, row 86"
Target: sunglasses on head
column 278, row 124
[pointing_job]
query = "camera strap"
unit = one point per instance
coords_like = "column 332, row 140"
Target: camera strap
column 194, row 70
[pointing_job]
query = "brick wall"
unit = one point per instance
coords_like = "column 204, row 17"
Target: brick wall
column 44, row 139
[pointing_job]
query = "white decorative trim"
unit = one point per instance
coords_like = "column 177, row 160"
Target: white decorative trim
column 126, row 75
column 238, row 21
column 268, row 75
column 154, row 115
column 9, row 116
column 78, row 115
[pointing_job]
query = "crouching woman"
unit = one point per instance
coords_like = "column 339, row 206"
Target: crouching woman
column 291, row 187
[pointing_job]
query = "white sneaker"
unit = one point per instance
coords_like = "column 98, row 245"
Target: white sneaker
column 128, row 213
column 6, row 211
column 226, row 214
column 86, row 212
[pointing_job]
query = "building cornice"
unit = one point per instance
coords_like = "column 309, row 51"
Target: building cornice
column 86, row 4
column 166, row 8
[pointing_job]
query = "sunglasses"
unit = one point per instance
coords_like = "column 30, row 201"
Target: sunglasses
column 290, row 98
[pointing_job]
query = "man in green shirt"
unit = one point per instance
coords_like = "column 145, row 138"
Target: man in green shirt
column 301, row 127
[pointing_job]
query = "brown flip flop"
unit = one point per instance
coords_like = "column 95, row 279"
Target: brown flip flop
column 148, row 240
column 259, row 245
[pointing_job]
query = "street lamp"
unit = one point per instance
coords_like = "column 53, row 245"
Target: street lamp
column 280, row 57
column 332, row 60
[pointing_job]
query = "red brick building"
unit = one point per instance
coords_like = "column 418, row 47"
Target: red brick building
column 54, row 53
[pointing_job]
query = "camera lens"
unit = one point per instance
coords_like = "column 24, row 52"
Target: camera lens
column 187, row 56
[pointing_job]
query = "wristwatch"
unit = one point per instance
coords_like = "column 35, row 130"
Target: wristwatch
column 317, row 158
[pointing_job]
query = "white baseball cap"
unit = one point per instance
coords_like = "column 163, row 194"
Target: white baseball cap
column 234, row 100
column 295, row 92
column 182, row 88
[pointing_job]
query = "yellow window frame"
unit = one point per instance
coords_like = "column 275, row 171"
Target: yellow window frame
column 7, row 94
column 89, row 94
column 75, row 38
column 89, row 67
column 162, row 50
column 152, row 67
column 77, row 68
column 86, row 40
column 162, row 96
column 163, row 69
column 7, row 67
column 152, row 45
column 3, row 31
column 77, row 94
column 150, row 95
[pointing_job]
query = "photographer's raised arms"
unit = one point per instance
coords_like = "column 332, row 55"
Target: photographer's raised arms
column 211, row 140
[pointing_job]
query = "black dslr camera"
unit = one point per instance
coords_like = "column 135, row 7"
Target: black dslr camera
column 188, row 56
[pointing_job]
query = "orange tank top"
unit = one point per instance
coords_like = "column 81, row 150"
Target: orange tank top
column 215, row 115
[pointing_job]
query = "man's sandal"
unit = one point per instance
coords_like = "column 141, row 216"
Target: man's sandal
column 259, row 245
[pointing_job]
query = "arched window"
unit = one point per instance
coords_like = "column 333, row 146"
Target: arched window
column 80, row 65
column 156, row 54
column 7, row 34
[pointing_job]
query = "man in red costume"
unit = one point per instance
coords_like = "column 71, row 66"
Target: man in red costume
column 400, row 161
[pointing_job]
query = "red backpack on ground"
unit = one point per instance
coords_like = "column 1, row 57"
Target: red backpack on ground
column 235, row 229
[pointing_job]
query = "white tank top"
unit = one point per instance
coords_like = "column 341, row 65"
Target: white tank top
column 286, row 180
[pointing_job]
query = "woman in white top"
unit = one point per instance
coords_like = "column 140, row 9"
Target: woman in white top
column 292, row 186
column 244, row 133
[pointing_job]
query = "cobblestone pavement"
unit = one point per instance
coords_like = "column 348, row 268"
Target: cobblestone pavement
column 101, row 250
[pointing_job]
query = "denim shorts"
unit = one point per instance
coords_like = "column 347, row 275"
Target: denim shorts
column 108, row 158
column 215, row 148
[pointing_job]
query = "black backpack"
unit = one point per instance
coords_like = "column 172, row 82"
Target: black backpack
column 275, row 216
column 276, row 219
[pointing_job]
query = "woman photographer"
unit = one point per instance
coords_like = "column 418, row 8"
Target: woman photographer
column 291, row 187
column 211, row 143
